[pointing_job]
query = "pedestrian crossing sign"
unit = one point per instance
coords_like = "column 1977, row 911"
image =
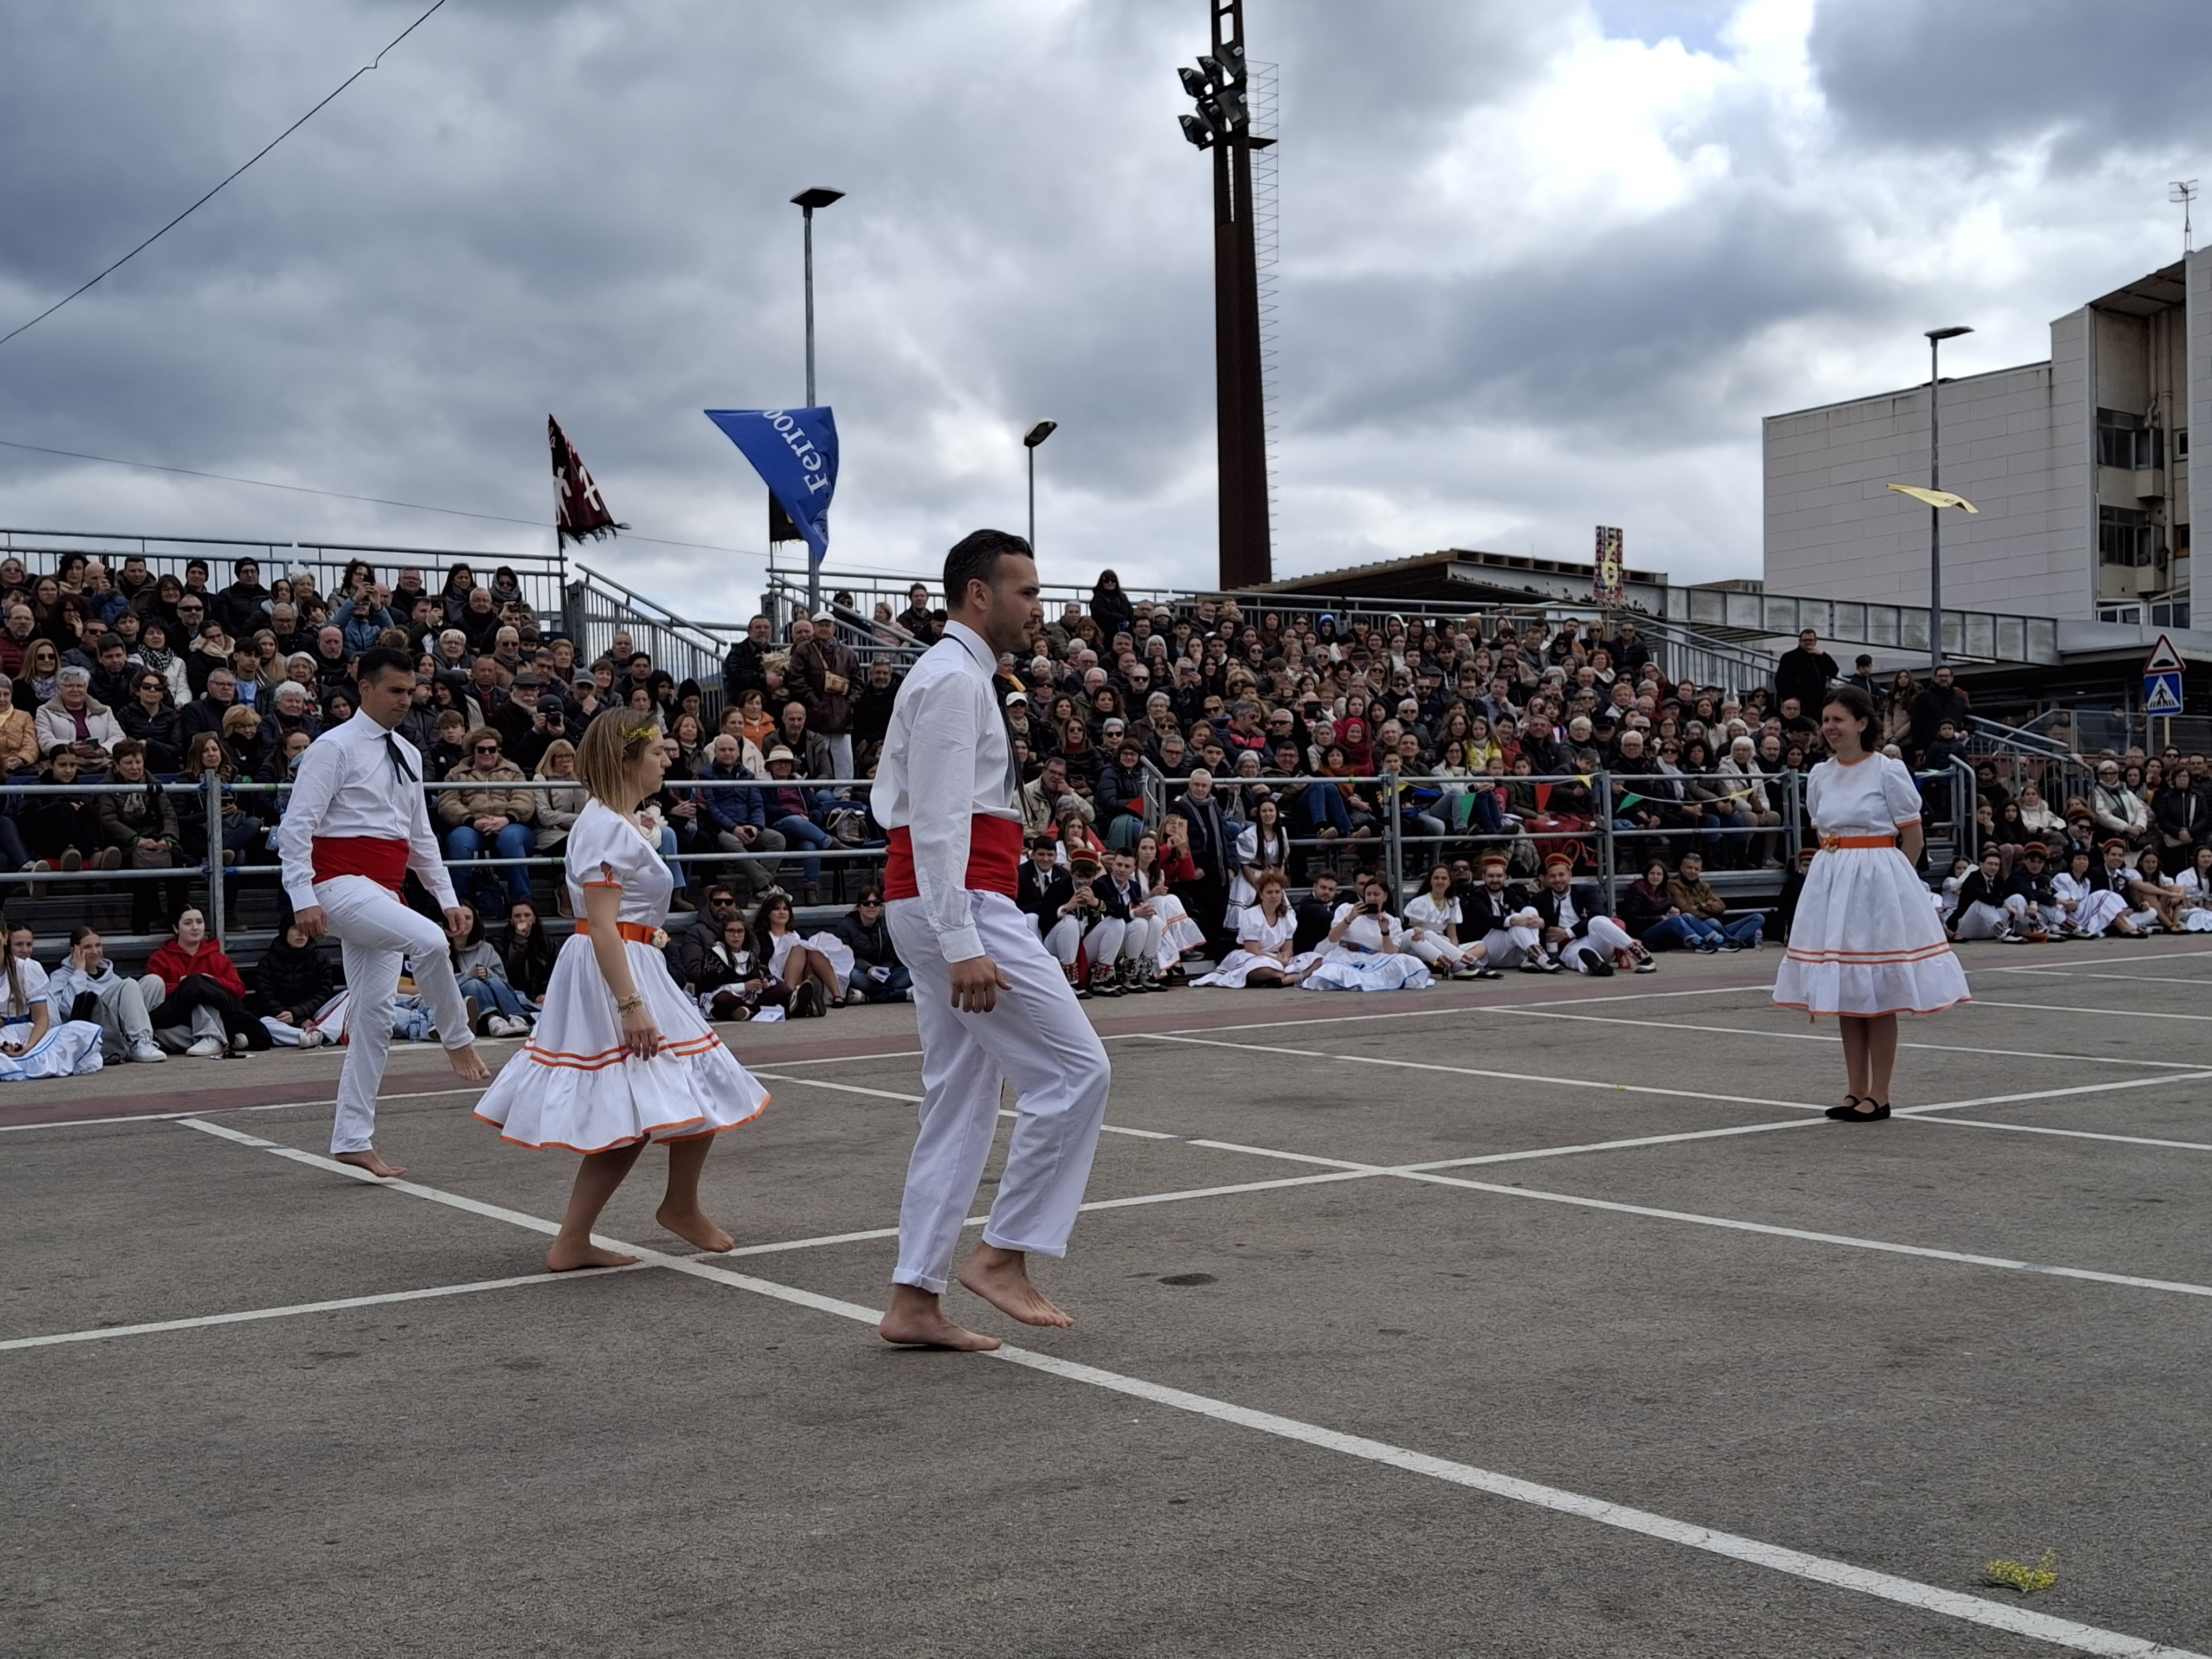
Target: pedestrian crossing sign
column 2163, row 679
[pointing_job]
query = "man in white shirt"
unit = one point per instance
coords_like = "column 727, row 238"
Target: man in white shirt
column 991, row 1002
column 357, row 823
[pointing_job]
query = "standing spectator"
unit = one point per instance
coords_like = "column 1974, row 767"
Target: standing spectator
column 1941, row 700
column 490, row 817
column 1805, row 672
column 1205, row 895
column 244, row 606
column 824, row 673
column 1110, row 609
column 2121, row 814
column 872, row 715
column 744, row 669
column 917, row 618
column 1863, row 676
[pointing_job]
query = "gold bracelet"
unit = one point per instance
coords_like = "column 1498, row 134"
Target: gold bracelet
column 624, row 1004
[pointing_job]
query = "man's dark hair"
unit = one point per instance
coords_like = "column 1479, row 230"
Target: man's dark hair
column 975, row 558
column 380, row 660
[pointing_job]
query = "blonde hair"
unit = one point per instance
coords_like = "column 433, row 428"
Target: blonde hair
column 554, row 750
column 610, row 744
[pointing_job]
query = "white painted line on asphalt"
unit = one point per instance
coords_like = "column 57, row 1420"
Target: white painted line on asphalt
column 2055, row 1094
column 2175, row 1286
column 2076, row 1008
column 1821, row 1037
column 2116, row 956
column 2201, row 982
column 102, row 1333
column 274, row 1106
column 2075, row 1134
column 1475, row 1071
column 1440, row 1013
column 1837, row 1575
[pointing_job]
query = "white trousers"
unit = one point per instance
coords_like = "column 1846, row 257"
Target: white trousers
column 1065, row 941
column 1605, row 937
column 2094, row 914
column 376, row 935
column 1037, row 1039
column 1978, row 921
column 1436, row 950
column 1509, row 947
column 2032, row 915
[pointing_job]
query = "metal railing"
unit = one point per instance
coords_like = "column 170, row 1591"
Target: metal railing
column 1985, row 636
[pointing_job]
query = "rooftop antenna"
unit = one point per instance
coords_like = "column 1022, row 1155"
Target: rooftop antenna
column 2184, row 191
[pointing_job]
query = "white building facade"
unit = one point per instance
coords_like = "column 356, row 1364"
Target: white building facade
column 2079, row 466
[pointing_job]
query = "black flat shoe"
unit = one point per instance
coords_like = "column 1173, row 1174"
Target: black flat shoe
column 1846, row 1109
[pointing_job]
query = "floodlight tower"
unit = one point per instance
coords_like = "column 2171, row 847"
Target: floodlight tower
column 1222, row 123
column 2184, row 191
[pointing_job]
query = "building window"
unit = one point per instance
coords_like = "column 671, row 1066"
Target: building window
column 2119, row 613
column 2123, row 537
column 2127, row 440
column 2169, row 616
column 2181, row 444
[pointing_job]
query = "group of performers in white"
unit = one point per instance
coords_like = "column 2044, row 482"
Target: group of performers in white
column 621, row 1058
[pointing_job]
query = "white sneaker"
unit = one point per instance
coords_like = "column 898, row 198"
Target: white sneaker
column 510, row 1025
column 144, row 1051
column 238, row 1044
column 206, row 1049
column 310, row 1037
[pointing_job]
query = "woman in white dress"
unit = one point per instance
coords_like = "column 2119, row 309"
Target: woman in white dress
column 1866, row 945
column 2195, row 883
column 35, row 1042
column 1365, row 948
column 816, row 966
column 1264, row 954
column 620, row 1056
column 1262, row 845
column 1433, row 921
column 2092, row 909
column 1178, row 933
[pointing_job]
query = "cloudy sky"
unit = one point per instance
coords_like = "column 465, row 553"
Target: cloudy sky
column 1543, row 267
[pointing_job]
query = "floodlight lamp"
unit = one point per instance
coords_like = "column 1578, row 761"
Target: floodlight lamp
column 1037, row 434
column 1952, row 333
column 1232, row 60
column 1194, row 82
column 1212, row 69
column 1197, row 132
column 818, row 196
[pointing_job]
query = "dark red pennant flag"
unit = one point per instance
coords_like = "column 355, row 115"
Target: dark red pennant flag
column 580, row 513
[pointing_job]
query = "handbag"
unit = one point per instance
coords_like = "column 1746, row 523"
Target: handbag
column 161, row 857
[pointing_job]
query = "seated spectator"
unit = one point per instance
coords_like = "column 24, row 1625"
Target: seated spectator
column 38, row 1038
column 244, row 742
column 689, row 945
column 205, row 713
column 2156, row 892
column 1266, row 951
column 143, row 830
column 557, row 809
column 238, row 835
column 732, row 979
column 151, row 718
column 202, row 992
column 2031, row 897
column 1364, row 949
column 526, row 953
column 19, row 736
column 2120, row 813
column 1694, row 895
column 73, row 721
column 59, row 824
column 495, row 1008
column 736, row 819
column 1577, row 931
column 111, row 673
column 792, row 812
column 877, row 974
column 489, row 816
column 292, row 983
column 1432, row 917
column 811, row 966
column 118, row 1005
column 1502, row 919
column 1119, row 792
column 1649, row 911
column 1159, row 867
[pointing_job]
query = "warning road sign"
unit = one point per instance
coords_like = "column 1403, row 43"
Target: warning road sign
column 2162, row 673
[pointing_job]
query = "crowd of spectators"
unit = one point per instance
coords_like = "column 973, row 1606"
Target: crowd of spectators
column 1178, row 764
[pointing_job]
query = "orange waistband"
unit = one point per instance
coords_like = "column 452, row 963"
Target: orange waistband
column 637, row 932
column 1830, row 843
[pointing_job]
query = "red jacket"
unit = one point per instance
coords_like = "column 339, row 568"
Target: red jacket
column 170, row 963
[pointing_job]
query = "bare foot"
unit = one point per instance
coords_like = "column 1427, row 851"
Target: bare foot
column 693, row 1227
column 916, row 1319
column 368, row 1159
column 1002, row 1278
column 466, row 1065
column 565, row 1258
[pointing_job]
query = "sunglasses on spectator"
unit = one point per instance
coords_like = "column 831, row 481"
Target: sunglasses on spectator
column 487, row 749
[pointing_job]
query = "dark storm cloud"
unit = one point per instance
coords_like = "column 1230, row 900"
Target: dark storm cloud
column 1981, row 73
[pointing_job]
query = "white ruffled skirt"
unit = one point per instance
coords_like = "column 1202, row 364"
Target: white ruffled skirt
column 1348, row 970
column 1866, row 941
column 575, row 1087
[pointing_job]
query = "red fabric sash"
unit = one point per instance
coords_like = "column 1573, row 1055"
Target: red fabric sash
column 384, row 862
column 994, row 858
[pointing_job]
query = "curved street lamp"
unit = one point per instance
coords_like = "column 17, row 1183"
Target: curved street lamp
column 1036, row 435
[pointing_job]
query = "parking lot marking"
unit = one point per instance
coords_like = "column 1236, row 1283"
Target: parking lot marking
column 2200, row 983
column 1839, row 1575
column 2075, row 1134
column 2076, row 1008
column 1821, row 1037
column 103, row 1333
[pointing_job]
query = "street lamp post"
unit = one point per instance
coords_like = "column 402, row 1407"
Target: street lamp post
column 1036, row 435
column 806, row 201
column 1936, row 339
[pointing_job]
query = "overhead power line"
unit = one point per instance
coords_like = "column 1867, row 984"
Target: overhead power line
column 210, row 197
column 340, row 495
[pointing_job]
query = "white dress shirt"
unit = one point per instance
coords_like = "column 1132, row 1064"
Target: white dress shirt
column 946, row 760
column 345, row 787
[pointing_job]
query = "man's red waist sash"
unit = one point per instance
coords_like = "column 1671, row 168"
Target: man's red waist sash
column 384, row 862
column 994, row 858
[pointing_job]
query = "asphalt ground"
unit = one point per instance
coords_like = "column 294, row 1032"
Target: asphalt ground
column 1540, row 1318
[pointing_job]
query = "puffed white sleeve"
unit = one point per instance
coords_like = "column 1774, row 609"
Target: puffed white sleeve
column 1898, row 793
column 593, row 858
